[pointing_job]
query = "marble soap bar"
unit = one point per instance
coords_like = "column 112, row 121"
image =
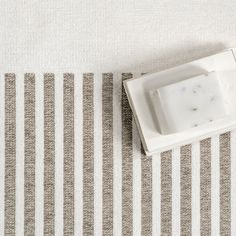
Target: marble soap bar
column 188, row 103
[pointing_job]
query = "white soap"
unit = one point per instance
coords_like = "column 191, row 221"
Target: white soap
column 189, row 103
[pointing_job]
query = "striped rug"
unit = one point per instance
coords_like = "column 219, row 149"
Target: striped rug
column 71, row 163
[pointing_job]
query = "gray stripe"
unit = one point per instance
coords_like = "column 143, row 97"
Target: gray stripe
column 29, row 165
column 10, row 153
column 205, row 186
column 146, row 202
column 225, row 175
column 68, row 154
column 127, row 164
column 107, row 126
column 185, row 192
column 88, row 155
column 166, row 193
column 49, row 153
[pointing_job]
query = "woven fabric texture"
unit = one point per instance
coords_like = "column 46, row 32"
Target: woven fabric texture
column 71, row 161
column 73, row 165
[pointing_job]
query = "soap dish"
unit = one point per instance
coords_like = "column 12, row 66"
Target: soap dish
column 186, row 103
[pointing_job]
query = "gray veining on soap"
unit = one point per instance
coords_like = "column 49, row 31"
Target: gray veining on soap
column 190, row 103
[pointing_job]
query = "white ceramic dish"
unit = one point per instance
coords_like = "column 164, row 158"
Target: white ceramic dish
column 138, row 89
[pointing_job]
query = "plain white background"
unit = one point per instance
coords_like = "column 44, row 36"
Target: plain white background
column 127, row 35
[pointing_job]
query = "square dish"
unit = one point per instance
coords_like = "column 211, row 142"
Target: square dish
column 138, row 91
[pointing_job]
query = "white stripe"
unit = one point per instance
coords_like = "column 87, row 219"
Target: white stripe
column 233, row 182
column 215, row 186
column 2, row 149
column 156, row 194
column 136, row 181
column 59, row 158
column 117, row 186
column 176, row 191
column 39, row 165
column 98, row 154
column 20, row 154
column 78, row 109
column 196, row 188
